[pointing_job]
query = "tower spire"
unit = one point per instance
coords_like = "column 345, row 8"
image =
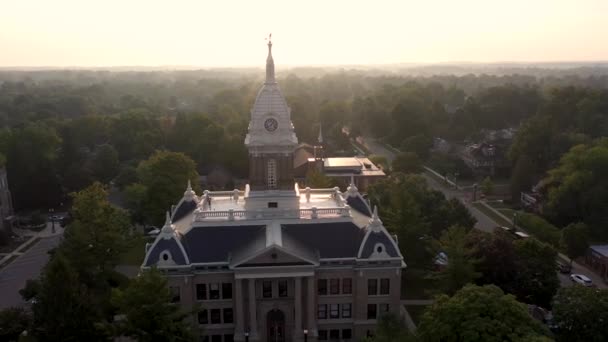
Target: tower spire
column 270, row 62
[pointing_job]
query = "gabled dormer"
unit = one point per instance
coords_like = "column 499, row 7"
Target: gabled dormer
column 167, row 250
column 378, row 244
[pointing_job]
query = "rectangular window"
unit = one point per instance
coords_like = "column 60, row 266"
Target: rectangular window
column 322, row 335
column 271, row 174
column 201, row 291
column 214, row 291
column 202, row 317
column 216, row 338
column 228, row 316
column 372, row 287
column 228, row 338
column 347, row 286
column 347, row 310
column 175, row 296
column 385, row 286
column 216, row 316
column 371, row 311
column 322, row 287
column 322, row 311
column 334, row 286
column 334, row 335
column 347, row 334
column 334, row 311
column 273, row 204
column 267, row 289
column 282, row 288
column 383, row 309
column 227, row 290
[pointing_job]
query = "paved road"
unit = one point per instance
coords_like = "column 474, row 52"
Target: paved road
column 24, row 267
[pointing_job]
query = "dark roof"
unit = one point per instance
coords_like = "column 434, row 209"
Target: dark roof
column 332, row 240
column 358, row 203
column 171, row 245
column 185, row 208
column 213, row 244
column 378, row 237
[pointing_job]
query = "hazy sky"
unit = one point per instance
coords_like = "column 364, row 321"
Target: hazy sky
column 231, row 33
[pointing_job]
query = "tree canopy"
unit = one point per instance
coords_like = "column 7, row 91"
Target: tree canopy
column 580, row 313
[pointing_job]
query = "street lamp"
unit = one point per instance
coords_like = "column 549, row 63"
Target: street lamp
column 515, row 219
column 246, row 337
column 305, row 335
column 456, row 174
column 51, row 211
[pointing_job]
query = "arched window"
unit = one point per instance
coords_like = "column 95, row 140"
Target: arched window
column 271, row 174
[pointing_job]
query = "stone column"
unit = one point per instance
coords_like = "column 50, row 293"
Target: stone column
column 312, row 309
column 253, row 323
column 238, row 307
column 297, row 328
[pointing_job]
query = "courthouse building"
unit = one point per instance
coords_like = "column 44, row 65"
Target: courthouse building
column 275, row 262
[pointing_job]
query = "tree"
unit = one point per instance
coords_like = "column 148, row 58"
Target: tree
column 419, row 144
column 316, row 179
column 497, row 261
column 575, row 239
column 149, row 313
column 379, row 161
column 487, row 186
column 13, row 321
column 105, row 163
column 539, row 228
column 460, row 269
column 479, row 314
column 165, row 175
column 536, row 281
column 581, row 314
column 64, row 310
column 390, row 328
column 407, row 162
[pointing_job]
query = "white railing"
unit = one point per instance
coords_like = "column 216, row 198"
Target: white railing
column 230, row 215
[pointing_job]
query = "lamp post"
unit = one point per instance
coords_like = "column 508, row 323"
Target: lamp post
column 455, row 178
column 515, row 219
column 246, row 337
column 305, row 335
column 51, row 211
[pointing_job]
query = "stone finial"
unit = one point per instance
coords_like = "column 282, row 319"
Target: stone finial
column 168, row 227
column 189, row 193
column 375, row 224
column 352, row 189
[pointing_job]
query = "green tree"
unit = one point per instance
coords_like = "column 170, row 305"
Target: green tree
column 149, row 313
column 105, row 163
column 407, row 162
column 580, row 313
column 64, row 310
column 13, row 321
column 487, row 186
column 460, row 269
column 497, row 261
column 479, row 314
column 536, row 280
column 575, row 240
column 390, row 328
column 316, row 179
column 419, row 144
column 379, row 161
column 165, row 175
column 523, row 177
column 539, row 228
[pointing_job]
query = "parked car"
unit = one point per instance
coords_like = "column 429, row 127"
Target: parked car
column 564, row 267
column 581, row 279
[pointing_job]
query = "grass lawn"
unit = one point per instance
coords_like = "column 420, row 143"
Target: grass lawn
column 416, row 312
column 496, row 218
column 135, row 255
column 414, row 284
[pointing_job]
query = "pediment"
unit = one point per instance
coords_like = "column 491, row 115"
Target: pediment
column 274, row 256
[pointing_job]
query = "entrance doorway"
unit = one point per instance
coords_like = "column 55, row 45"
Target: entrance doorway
column 275, row 322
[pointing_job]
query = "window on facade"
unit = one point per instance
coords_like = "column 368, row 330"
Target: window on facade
column 383, row 309
column 202, row 317
column 214, row 291
column 228, row 338
column 175, row 296
column 282, row 288
column 371, row 311
column 216, row 316
column 347, row 334
column 334, row 311
column 227, row 290
column 201, row 291
column 271, row 173
column 385, row 286
column 334, row 286
column 347, row 286
column 228, row 316
column 347, row 310
column 267, row 289
column 322, row 287
column 334, row 335
column 372, row 287
column 216, row 338
column 322, row 335
column 322, row 311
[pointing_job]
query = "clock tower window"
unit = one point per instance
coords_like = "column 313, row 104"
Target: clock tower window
column 271, row 174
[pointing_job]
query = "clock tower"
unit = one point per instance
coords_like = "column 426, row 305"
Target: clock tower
column 271, row 139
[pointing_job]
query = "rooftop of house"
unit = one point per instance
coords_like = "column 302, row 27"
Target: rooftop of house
column 347, row 166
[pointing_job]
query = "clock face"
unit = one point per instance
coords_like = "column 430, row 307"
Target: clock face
column 271, row 124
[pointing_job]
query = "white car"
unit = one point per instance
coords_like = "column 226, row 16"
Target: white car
column 581, row 279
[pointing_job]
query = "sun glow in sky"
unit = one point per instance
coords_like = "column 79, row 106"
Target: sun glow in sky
column 309, row 32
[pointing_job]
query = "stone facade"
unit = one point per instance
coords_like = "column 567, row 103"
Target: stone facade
column 6, row 202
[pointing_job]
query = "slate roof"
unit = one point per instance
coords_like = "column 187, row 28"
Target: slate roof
column 214, row 244
column 359, row 204
column 378, row 237
column 331, row 239
column 169, row 245
column 184, row 208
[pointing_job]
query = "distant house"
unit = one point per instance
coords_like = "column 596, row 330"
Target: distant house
column 484, row 158
column 360, row 170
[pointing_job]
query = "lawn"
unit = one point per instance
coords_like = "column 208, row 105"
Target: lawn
column 135, row 255
column 507, row 212
column 416, row 312
column 491, row 214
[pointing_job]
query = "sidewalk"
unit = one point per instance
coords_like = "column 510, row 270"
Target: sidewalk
column 35, row 237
